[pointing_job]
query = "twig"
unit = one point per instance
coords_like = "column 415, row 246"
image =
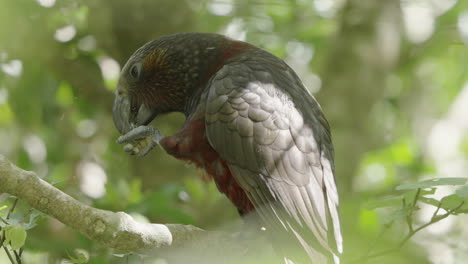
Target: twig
column 4, row 221
column 17, row 256
column 9, row 255
column 433, row 220
column 2, row 238
column 409, row 217
column 12, row 208
column 23, row 219
column 437, row 210
column 376, row 239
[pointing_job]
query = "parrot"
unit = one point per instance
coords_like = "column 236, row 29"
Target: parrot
column 250, row 123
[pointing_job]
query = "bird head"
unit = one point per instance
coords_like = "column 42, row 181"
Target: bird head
column 161, row 76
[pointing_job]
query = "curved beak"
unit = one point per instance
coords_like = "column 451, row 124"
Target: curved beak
column 126, row 119
column 121, row 114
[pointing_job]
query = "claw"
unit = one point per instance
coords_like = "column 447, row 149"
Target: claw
column 140, row 132
column 141, row 140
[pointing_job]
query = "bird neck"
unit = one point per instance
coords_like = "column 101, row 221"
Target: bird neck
column 218, row 56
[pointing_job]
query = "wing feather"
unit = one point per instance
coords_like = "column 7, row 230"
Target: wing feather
column 279, row 151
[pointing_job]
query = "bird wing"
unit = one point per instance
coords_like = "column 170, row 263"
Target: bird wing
column 273, row 136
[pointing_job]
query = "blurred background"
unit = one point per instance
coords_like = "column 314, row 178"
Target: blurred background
column 391, row 76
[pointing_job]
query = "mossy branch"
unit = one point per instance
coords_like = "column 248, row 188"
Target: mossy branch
column 116, row 230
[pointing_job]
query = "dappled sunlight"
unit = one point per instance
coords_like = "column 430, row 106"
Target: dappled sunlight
column 35, row 148
column 110, row 70
column 299, row 57
column 13, row 68
column 86, row 128
column 445, row 148
column 447, row 136
column 419, row 21
column 46, row 3
column 92, row 179
column 236, row 29
column 65, row 33
column 374, row 176
column 463, row 26
column 221, row 7
column 87, row 43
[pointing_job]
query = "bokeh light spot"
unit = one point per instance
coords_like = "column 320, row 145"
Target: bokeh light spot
column 46, row 3
column 13, row 68
column 87, row 43
column 110, row 70
column 65, row 34
column 93, row 179
column 86, row 128
column 419, row 21
column 463, row 26
column 35, row 148
column 219, row 8
column 236, row 29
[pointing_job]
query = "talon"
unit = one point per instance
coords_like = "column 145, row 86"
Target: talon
column 128, row 147
column 135, row 151
column 141, row 140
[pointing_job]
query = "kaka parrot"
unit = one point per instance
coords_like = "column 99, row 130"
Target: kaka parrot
column 250, row 123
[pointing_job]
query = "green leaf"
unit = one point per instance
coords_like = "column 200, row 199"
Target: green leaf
column 449, row 202
column 81, row 257
column 33, row 218
column 3, row 207
column 430, row 201
column 432, row 183
column 6, row 115
column 462, row 192
column 396, row 200
column 453, row 201
column 15, row 236
column 64, row 94
column 368, row 221
column 135, row 191
column 398, row 214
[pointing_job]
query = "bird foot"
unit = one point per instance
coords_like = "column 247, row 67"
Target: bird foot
column 140, row 140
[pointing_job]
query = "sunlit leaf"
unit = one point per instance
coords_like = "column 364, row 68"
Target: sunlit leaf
column 397, row 200
column 6, row 115
column 430, row 201
column 33, row 218
column 64, row 94
column 280, row 13
column 15, row 236
column 449, row 202
column 432, row 183
column 80, row 257
column 453, row 202
column 135, row 191
column 368, row 221
column 462, row 192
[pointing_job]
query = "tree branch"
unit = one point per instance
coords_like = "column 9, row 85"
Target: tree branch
column 114, row 230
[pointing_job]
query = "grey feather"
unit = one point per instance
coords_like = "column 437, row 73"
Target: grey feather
column 273, row 136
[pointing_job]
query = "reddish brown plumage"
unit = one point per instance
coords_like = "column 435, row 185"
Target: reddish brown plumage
column 251, row 122
column 190, row 144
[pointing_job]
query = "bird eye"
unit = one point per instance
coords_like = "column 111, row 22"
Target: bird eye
column 135, row 71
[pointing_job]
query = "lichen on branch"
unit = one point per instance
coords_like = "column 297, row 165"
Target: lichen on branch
column 114, row 230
